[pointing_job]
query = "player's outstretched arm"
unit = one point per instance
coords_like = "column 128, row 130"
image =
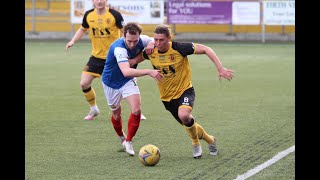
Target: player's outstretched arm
column 131, row 72
column 78, row 35
column 223, row 72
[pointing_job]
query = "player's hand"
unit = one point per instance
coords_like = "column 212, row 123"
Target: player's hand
column 69, row 45
column 225, row 73
column 149, row 49
column 156, row 74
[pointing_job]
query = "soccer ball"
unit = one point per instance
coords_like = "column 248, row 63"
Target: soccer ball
column 149, row 155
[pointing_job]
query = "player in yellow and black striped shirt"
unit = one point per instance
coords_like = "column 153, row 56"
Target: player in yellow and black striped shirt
column 176, row 90
column 104, row 27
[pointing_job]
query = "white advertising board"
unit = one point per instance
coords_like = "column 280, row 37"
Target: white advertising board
column 279, row 12
column 140, row 11
column 246, row 13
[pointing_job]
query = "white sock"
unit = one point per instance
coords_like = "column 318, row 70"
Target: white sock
column 95, row 107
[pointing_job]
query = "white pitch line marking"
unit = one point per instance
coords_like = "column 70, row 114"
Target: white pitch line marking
column 260, row 167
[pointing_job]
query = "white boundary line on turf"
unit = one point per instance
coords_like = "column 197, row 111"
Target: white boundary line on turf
column 260, row 167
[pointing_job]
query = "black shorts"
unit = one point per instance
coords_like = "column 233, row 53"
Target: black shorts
column 94, row 66
column 186, row 99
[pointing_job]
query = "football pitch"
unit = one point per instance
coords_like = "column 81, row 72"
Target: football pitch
column 252, row 117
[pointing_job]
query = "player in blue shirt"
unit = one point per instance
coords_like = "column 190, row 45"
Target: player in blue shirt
column 119, row 82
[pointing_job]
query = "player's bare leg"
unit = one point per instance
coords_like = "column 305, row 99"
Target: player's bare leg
column 89, row 94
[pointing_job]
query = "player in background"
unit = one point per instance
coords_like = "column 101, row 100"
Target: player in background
column 104, row 25
column 119, row 82
column 176, row 90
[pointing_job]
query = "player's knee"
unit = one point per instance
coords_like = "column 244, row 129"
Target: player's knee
column 185, row 118
column 84, row 85
column 136, row 111
column 116, row 117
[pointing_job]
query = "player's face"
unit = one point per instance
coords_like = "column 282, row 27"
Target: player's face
column 132, row 40
column 99, row 4
column 161, row 42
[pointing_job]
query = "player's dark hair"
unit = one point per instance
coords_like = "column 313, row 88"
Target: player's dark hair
column 132, row 28
column 163, row 29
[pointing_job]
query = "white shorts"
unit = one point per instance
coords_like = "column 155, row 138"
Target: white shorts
column 114, row 96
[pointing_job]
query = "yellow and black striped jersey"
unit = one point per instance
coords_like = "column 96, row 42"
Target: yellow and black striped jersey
column 103, row 30
column 175, row 67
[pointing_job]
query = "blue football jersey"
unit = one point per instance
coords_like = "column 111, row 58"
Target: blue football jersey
column 119, row 52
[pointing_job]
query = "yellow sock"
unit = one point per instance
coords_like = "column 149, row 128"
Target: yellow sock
column 202, row 134
column 192, row 131
column 91, row 97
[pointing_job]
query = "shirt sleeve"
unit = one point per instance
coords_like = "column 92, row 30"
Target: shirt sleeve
column 85, row 24
column 144, row 54
column 184, row 48
column 146, row 40
column 118, row 16
column 121, row 54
